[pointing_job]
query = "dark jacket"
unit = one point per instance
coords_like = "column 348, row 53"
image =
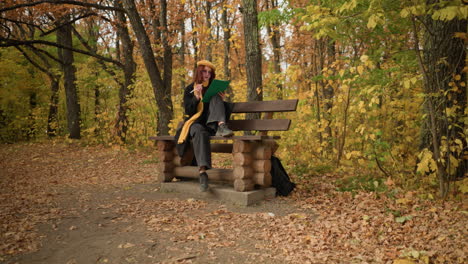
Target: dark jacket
column 190, row 107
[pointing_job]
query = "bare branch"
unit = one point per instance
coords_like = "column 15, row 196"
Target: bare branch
column 103, row 65
column 39, row 53
column 34, row 63
column 58, row 2
column 69, row 22
column 20, row 22
column 13, row 43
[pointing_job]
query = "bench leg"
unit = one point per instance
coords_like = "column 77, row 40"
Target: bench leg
column 262, row 163
column 166, row 160
column 242, row 166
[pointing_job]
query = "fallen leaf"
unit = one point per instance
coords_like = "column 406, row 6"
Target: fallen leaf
column 403, row 261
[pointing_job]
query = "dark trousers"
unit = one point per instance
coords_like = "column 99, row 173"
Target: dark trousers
column 200, row 133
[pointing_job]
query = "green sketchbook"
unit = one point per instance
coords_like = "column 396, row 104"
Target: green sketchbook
column 216, row 86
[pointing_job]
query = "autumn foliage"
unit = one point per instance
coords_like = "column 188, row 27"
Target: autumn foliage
column 360, row 68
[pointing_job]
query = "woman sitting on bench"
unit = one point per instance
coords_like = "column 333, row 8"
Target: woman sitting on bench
column 203, row 119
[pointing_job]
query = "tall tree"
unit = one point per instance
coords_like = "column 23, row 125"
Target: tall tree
column 209, row 40
column 182, row 48
column 253, row 55
column 443, row 66
column 275, row 39
column 227, row 44
column 64, row 38
column 129, row 68
column 43, row 64
column 161, row 89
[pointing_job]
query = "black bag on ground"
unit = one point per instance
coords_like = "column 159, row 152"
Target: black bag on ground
column 280, row 179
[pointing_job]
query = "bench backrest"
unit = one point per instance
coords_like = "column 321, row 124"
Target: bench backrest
column 266, row 107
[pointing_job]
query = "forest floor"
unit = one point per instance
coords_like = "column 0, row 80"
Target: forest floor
column 66, row 203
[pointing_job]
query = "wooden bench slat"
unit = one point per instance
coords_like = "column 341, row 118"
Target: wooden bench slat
column 260, row 125
column 249, row 137
column 265, row 106
column 162, row 138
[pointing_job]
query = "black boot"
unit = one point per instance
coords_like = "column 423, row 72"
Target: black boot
column 203, row 182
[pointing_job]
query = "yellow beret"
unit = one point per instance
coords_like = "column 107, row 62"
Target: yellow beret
column 206, row 63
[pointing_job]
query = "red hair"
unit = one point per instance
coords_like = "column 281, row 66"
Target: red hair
column 198, row 77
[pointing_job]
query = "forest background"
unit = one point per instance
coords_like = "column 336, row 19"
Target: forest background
column 381, row 83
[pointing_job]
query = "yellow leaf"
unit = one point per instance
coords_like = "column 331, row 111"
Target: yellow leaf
column 407, row 84
column 360, row 69
column 425, row 259
column 457, row 77
column 461, row 35
column 364, row 58
column 403, row 261
column 372, row 22
column 463, row 187
column 403, row 201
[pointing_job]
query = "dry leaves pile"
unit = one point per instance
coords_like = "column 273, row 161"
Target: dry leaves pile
column 328, row 227
column 347, row 230
column 32, row 175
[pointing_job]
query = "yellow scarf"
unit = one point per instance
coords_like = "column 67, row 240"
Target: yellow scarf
column 188, row 123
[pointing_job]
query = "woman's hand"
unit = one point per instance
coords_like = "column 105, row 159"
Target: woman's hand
column 222, row 94
column 197, row 90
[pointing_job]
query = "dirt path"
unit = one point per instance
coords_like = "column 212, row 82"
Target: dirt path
column 70, row 204
column 136, row 224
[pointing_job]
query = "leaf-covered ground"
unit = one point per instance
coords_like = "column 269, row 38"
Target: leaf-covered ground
column 64, row 203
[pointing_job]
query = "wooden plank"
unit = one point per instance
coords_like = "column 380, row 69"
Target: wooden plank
column 243, row 172
column 165, row 145
column 265, row 106
column 262, row 178
column 166, row 155
column 164, row 138
column 250, row 137
column 241, row 159
column 262, row 165
column 213, row 174
column 260, row 125
column 221, row 147
column 262, row 152
column 242, row 146
column 243, row 185
column 267, row 115
column 165, row 176
column 166, row 166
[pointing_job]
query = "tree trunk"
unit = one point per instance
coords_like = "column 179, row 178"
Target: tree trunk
column 64, row 37
column 253, row 56
column 328, row 94
column 161, row 92
column 182, row 49
column 126, row 88
column 167, row 53
column 209, row 41
column 93, row 34
column 227, row 47
column 52, row 120
column 194, row 33
column 443, row 59
column 274, row 33
column 31, row 131
column 156, row 26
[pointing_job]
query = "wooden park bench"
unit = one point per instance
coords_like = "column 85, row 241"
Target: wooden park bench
column 251, row 154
